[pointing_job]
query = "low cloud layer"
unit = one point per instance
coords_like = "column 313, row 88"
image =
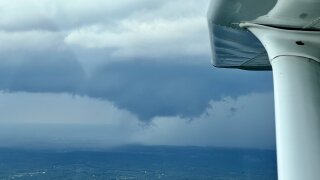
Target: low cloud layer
column 94, row 124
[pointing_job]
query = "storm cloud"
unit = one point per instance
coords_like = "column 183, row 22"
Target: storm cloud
column 148, row 60
column 145, row 88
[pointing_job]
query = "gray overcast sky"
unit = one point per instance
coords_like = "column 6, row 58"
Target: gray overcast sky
column 102, row 73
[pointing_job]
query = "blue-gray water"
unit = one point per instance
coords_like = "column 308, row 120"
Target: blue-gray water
column 140, row 162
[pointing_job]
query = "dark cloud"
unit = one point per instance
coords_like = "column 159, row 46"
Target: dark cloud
column 233, row 110
column 146, row 88
column 42, row 72
column 164, row 89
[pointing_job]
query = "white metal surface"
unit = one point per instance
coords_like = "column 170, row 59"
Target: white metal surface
column 303, row 14
column 297, row 103
column 300, row 14
column 296, row 73
column 279, row 42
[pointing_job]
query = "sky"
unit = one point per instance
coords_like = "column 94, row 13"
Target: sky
column 101, row 73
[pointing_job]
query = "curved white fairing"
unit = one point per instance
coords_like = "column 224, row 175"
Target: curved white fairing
column 286, row 42
column 298, row 14
column 239, row 48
